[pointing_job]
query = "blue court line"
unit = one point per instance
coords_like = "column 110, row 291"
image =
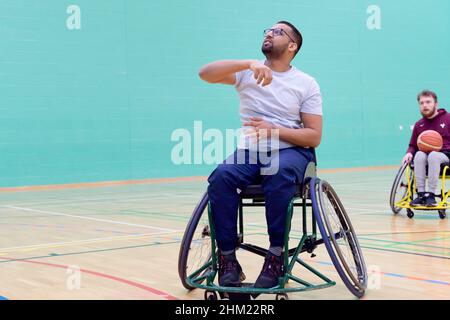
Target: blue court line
column 419, row 279
column 325, row 263
column 389, row 274
column 394, row 275
column 438, row 282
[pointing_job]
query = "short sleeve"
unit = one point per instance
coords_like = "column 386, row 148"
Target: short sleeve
column 239, row 75
column 313, row 101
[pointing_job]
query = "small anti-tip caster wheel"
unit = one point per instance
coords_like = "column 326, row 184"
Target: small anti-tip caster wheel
column 410, row 213
column 224, row 296
column 210, row 295
column 282, row 296
column 442, row 214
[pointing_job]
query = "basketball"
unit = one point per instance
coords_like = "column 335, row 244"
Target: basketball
column 429, row 140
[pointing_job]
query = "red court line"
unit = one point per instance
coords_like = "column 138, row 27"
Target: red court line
column 358, row 169
column 106, row 276
column 100, row 184
column 159, row 180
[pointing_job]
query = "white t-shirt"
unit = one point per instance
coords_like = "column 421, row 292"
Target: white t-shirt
column 280, row 102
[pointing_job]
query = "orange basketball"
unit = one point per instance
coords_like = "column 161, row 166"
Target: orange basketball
column 429, row 140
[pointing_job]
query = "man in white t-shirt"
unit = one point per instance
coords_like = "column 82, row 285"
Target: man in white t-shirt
column 276, row 100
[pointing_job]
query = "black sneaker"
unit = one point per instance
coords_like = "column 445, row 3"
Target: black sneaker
column 430, row 200
column 420, row 200
column 230, row 271
column 273, row 269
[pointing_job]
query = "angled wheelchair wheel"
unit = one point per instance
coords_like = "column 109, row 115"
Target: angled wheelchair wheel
column 195, row 249
column 399, row 188
column 339, row 236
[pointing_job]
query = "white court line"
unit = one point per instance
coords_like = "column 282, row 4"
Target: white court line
column 349, row 211
column 89, row 218
column 360, row 183
column 116, row 200
column 351, row 205
column 87, row 241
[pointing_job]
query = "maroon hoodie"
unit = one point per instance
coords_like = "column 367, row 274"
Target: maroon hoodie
column 440, row 123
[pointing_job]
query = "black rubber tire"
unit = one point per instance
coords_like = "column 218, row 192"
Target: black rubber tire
column 398, row 183
column 410, row 213
column 210, row 295
column 281, row 296
column 442, row 214
column 183, row 256
column 356, row 283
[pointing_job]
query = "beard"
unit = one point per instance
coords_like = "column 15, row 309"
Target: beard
column 272, row 52
column 429, row 113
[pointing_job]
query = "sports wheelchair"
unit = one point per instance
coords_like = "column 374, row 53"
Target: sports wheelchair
column 198, row 263
column 404, row 188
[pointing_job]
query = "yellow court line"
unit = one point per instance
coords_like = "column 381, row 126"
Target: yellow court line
column 161, row 180
column 4, row 251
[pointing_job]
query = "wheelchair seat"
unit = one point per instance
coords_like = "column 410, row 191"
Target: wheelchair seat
column 255, row 191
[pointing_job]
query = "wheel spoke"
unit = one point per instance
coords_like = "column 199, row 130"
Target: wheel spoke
column 342, row 235
column 195, row 249
column 400, row 186
column 200, row 249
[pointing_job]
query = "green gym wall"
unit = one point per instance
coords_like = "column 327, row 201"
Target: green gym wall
column 92, row 90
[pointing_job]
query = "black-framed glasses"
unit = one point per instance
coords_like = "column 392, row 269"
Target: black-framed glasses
column 277, row 32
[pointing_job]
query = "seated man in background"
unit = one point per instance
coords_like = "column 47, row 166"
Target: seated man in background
column 439, row 121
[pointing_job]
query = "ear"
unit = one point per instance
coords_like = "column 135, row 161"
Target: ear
column 293, row 47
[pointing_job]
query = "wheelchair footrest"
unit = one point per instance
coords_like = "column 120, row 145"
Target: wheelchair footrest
column 237, row 295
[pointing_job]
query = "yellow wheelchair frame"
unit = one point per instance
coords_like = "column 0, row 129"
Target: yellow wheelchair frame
column 404, row 203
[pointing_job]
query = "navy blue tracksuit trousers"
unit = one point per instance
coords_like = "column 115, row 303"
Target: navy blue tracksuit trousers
column 279, row 189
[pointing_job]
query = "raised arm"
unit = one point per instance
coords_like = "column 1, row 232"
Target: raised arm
column 224, row 71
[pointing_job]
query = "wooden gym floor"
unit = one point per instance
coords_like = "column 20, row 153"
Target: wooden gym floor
column 122, row 242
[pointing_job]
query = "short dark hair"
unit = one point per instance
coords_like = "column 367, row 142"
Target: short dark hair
column 297, row 35
column 427, row 93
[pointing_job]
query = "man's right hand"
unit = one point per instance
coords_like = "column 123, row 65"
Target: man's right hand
column 407, row 158
column 261, row 73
